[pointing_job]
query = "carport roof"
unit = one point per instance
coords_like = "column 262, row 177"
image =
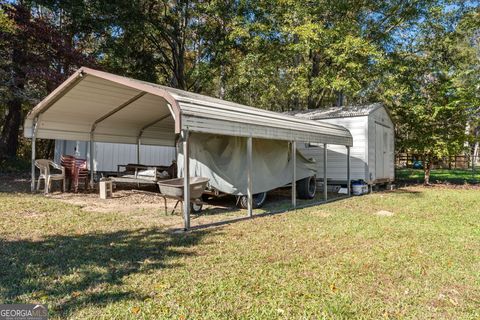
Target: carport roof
column 337, row 112
column 112, row 108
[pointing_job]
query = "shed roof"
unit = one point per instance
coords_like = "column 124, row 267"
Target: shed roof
column 337, row 112
column 117, row 109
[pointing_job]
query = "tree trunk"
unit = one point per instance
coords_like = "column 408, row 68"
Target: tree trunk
column 223, row 82
column 314, row 72
column 475, row 153
column 13, row 120
column 9, row 136
column 427, row 167
column 180, row 71
column 50, row 149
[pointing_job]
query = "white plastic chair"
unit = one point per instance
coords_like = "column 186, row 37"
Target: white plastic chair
column 44, row 166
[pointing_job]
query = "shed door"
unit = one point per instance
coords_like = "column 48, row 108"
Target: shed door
column 380, row 149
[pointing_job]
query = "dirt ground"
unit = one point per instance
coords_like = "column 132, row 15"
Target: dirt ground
column 140, row 206
column 138, row 201
column 127, row 199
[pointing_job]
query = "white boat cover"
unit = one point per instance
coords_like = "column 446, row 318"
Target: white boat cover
column 223, row 159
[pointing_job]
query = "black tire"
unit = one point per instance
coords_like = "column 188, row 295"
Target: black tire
column 307, row 187
column 195, row 208
column 259, row 200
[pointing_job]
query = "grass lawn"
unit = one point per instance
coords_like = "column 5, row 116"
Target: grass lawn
column 336, row 261
column 440, row 175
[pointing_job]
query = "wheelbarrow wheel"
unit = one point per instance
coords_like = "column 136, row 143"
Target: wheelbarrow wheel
column 195, row 207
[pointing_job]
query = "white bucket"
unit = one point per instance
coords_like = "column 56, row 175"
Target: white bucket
column 357, row 189
column 365, row 189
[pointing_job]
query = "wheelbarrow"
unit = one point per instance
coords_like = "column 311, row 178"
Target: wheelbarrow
column 173, row 189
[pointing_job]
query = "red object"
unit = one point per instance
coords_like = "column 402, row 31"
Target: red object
column 75, row 171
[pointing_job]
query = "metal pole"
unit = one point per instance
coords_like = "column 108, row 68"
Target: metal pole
column 294, row 174
column 249, row 176
column 186, row 181
column 34, row 137
column 92, row 155
column 348, row 172
column 325, row 196
column 139, row 142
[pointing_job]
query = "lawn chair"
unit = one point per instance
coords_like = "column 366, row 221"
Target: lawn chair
column 81, row 173
column 76, row 170
column 44, row 166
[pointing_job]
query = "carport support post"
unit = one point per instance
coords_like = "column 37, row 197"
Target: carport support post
column 92, row 147
column 348, row 172
column 325, row 196
column 294, row 174
column 34, row 138
column 249, row 176
column 139, row 142
column 186, row 181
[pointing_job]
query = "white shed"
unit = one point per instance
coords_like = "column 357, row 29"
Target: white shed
column 372, row 154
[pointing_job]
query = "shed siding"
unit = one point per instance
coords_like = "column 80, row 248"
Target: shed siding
column 371, row 148
column 109, row 155
column 337, row 155
column 380, row 116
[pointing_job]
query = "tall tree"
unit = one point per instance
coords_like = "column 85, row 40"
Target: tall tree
column 424, row 91
column 302, row 55
column 272, row 54
column 467, row 79
column 14, row 53
column 168, row 42
column 36, row 57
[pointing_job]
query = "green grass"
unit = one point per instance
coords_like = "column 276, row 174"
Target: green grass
column 335, row 261
column 439, row 175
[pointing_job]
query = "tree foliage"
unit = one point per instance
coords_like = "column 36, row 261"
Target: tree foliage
column 431, row 87
column 421, row 58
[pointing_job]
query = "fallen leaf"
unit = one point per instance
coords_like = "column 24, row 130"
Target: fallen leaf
column 333, row 287
column 135, row 310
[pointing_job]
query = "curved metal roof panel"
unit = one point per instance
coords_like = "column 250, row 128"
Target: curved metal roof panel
column 337, row 112
column 113, row 108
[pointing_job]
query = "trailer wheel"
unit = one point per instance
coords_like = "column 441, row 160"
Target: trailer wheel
column 258, row 200
column 307, row 187
column 195, row 208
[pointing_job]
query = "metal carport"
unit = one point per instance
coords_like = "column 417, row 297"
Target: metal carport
column 92, row 105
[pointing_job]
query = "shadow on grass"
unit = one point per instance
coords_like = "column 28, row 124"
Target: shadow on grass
column 402, row 190
column 278, row 202
column 67, row 272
